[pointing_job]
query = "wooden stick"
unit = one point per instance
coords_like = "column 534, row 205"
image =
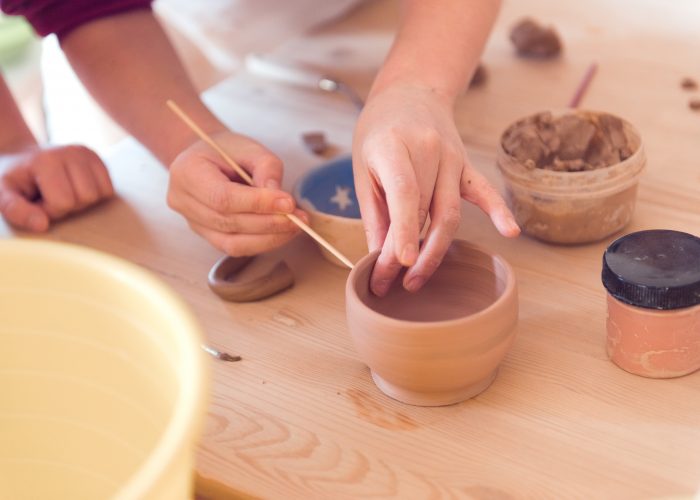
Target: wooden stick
column 583, row 86
column 245, row 176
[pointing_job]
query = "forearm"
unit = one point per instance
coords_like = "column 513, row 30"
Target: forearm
column 14, row 132
column 130, row 67
column 438, row 45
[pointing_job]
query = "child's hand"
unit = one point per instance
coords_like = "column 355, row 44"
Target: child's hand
column 410, row 163
column 39, row 186
column 235, row 218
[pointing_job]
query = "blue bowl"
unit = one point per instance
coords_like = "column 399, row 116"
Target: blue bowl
column 327, row 194
column 330, row 189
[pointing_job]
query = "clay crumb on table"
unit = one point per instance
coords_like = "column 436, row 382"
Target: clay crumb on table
column 315, row 142
column 569, row 143
column 531, row 39
column 689, row 84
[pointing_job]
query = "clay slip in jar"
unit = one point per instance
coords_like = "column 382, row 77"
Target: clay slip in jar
column 556, row 205
column 443, row 344
column 653, row 284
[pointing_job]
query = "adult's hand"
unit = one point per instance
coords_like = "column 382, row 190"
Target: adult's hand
column 409, row 162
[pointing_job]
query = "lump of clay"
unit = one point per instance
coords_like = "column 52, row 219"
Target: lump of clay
column 569, row 143
column 534, row 40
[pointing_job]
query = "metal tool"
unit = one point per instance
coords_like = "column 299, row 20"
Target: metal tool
column 300, row 77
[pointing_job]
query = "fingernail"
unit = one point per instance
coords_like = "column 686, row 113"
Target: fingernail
column 380, row 287
column 284, row 205
column 409, row 254
column 272, row 184
column 415, row 283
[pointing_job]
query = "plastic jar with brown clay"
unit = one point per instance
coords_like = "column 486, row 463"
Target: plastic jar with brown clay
column 571, row 176
column 653, row 283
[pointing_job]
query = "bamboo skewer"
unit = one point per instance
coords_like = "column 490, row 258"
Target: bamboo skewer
column 246, row 177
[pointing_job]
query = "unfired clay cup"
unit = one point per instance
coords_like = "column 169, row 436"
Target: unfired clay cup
column 443, row 344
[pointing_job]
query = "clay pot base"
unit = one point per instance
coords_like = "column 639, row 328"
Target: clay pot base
column 434, row 398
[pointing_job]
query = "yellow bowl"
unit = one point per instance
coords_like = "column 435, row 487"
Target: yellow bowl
column 102, row 377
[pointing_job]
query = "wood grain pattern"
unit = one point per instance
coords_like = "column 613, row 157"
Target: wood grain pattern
column 299, row 415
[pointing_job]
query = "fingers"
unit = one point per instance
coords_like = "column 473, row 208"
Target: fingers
column 57, row 195
column 70, row 179
column 239, row 245
column 445, row 217
column 370, row 196
column 100, row 175
column 396, row 173
column 267, row 172
column 386, row 269
column 212, row 188
column 20, row 212
column 476, row 189
column 246, row 223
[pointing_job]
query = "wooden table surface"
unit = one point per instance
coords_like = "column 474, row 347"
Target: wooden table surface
column 299, row 415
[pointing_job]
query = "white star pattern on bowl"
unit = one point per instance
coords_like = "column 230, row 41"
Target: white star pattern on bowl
column 342, row 197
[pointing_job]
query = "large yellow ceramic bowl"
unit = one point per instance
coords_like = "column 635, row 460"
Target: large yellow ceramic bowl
column 102, row 379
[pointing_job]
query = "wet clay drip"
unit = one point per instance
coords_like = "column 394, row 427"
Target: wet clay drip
column 569, row 143
column 464, row 284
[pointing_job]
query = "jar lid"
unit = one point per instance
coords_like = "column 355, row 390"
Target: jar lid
column 656, row 269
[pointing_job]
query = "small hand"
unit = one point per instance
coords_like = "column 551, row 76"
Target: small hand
column 232, row 216
column 39, row 186
column 409, row 162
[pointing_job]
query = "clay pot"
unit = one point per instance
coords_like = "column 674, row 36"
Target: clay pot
column 443, row 344
column 327, row 194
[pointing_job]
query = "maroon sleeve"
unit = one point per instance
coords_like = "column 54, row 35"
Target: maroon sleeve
column 61, row 16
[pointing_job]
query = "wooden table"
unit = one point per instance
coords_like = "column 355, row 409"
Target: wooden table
column 300, row 417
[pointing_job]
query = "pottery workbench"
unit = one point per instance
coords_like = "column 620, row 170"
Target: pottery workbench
column 300, row 417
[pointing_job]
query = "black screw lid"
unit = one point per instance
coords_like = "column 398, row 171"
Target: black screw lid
column 656, row 269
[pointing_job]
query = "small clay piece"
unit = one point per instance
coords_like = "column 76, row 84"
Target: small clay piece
column 230, row 281
column 479, row 77
column 569, row 143
column 534, row 40
column 694, row 104
column 315, row 142
column 689, row 84
column 222, row 355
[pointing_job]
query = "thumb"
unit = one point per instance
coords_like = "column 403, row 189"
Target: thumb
column 21, row 213
column 476, row 189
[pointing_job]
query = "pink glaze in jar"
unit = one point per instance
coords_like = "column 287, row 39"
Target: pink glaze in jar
column 653, row 283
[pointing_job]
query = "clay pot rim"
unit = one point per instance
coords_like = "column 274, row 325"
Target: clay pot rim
column 508, row 291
